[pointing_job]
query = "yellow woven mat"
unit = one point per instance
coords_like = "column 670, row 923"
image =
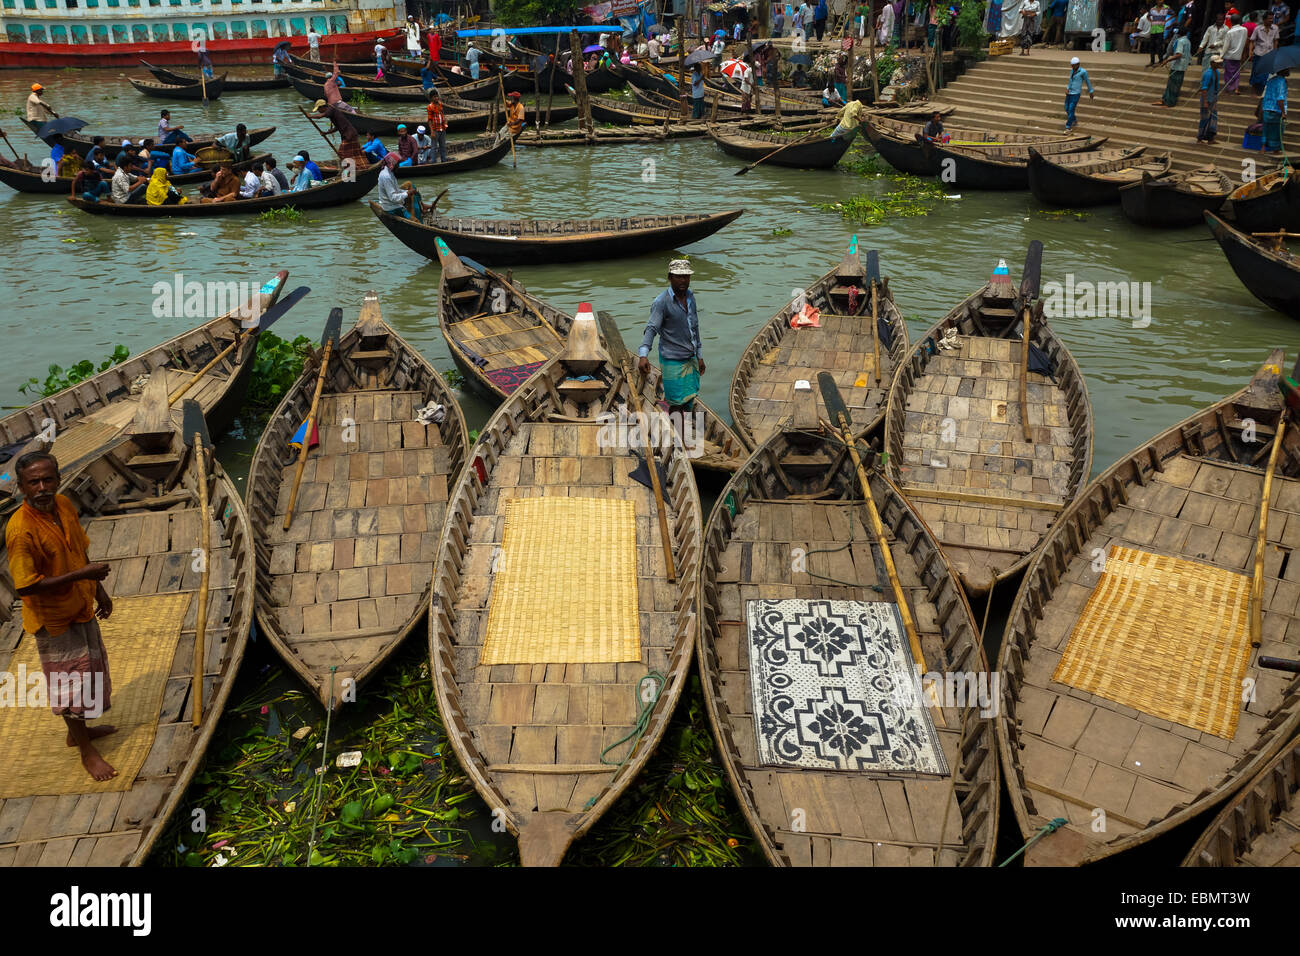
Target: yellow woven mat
column 140, row 639
column 565, row 588
column 1165, row 636
column 77, row 441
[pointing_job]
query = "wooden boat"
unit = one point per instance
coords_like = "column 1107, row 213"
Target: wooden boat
column 1264, row 266
column 80, row 143
column 515, row 242
column 31, row 180
column 211, row 89
column 800, row 492
column 315, row 78
column 778, row 356
column 459, row 118
column 463, row 155
column 1089, row 179
column 527, row 731
column 818, row 153
column 349, row 579
column 242, row 84
column 898, row 144
column 1260, row 826
column 1181, row 199
column 496, row 351
column 641, row 78
column 956, row 435
column 605, row 109
column 333, row 192
column 84, row 417
column 997, row 167
column 1269, row 203
column 147, row 514
column 1148, row 754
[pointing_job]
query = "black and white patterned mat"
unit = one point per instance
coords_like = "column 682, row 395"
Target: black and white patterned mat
column 834, row 688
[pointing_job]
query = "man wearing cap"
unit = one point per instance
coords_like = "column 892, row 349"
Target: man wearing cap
column 437, row 126
column 412, row 37
column 1074, row 90
column 349, row 147
column 407, row 149
column 471, row 57
column 423, row 146
column 39, row 111
column 515, row 115
column 673, row 317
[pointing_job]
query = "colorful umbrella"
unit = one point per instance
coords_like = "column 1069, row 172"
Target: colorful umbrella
column 593, row 48
column 734, row 68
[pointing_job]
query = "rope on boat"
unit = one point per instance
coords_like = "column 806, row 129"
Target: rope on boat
column 642, row 721
column 1051, row 827
column 848, row 545
column 324, row 763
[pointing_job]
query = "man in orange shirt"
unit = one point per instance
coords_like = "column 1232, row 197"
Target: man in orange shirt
column 60, row 589
column 515, row 116
column 437, row 126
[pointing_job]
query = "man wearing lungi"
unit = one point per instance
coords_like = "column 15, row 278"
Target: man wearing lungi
column 674, row 319
column 62, row 595
column 1234, row 51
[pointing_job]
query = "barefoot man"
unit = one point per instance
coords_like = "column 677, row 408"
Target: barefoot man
column 62, row 595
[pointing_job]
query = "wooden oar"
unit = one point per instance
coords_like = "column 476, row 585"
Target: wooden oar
column 11, row 145
column 203, row 85
column 333, row 326
column 873, row 276
column 1257, row 581
column 501, row 83
column 322, row 133
column 806, row 139
column 265, row 321
column 1029, row 283
column 839, row 415
column 195, row 431
column 619, row 354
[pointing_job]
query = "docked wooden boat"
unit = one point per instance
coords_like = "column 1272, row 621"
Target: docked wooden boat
column 31, row 180
column 496, row 351
column 1260, row 826
column 148, row 505
column 80, row 143
column 640, row 78
column 1181, row 199
column 817, row 152
column 1268, row 203
column 240, row 84
column 1089, row 179
column 316, row 78
column 516, row 242
column 1130, row 640
column 989, row 483
column 349, row 578
column 332, row 192
column 209, row 89
column 1264, row 265
column 557, row 682
column 84, row 417
column 463, row 116
column 900, row 143
column 997, row 167
column 894, row 789
column 861, row 354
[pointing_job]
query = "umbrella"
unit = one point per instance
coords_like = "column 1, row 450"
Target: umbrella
column 1283, row 58
column 803, row 58
column 64, row 124
column 593, row 48
column 282, row 43
column 719, row 33
column 734, row 68
column 699, row 56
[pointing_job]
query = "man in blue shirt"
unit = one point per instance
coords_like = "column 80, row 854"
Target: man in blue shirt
column 673, row 317
column 1274, row 106
column 427, row 74
column 1056, row 27
column 373, row 148
column 697, row 92
column 309, row 167
column 1074, row 89
column 471, row 57
column 182, row 162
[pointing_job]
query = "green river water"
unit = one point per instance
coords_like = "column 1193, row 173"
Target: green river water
column 76, row 285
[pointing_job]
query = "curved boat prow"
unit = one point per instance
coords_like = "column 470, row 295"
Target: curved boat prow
column 544, row 837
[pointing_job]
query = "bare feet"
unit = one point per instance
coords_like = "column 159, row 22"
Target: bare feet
column 95, row 765
column 92, row 733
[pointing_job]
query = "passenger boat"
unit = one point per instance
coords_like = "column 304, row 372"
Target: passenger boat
column 207, row 90
column 1264, row 265
column 1135, row 631
column 1000, row 167
column 1268, row 203
column 463, row 116
column 80, row 143
column 496, row 350
column 346, row 533
column 149, row 503
column 860, row 339
column 900, row 143
column 1181, row 199
column 32, row 180
column 332, row 192
column 809, row 152
column 1089, row 179
column 234, row 84
column 988, row 479
column 555, row 697
column 906, row 783
column 515, row 242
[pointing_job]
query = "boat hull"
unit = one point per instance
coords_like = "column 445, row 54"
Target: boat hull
column 1268, row 277
column 1164, row 207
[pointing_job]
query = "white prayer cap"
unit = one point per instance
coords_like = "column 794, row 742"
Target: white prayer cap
column 1074, row 61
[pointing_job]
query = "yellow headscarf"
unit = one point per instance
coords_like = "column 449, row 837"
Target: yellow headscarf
column 156, row 194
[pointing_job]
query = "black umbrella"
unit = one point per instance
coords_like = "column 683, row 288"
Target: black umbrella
column 803, row 58
column 64, row 124
column 282, row 44
column 1283, row 58
column 699, row 56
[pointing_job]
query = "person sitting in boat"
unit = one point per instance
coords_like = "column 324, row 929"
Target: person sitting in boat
column 407, row 150
column 675, row 320
column 933, row 129
column 223, row 188
column 236, row 143
column 252, row 187
column 182, row 162
column 280, row 178
column 168, row 134
column 515, row 116
column 374, row 149
column 308, row 165
column 155, row 156
column 125, row 153
column 160, row 192
column 393, row 198
column 831, row 97
column 96, row 158
column 340, row 122
column 89, row 185
column 423, row 146
column 128, row 186
column 800, row 78
column 39, row 111
column 301, row 174
column 270, row 185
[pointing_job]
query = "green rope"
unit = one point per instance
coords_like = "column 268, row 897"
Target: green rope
column 1051, row 827
column 324, row 763
column 642, row 721
column 848, row 584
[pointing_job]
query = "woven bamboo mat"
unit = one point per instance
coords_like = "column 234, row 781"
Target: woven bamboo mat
column 1165, row 636
column 141, row 639
column 565, row 589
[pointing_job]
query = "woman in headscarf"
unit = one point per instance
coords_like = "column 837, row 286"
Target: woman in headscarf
column 160, row 191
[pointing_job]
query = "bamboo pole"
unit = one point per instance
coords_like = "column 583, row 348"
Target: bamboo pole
column 871, row 51
column 681, row 62
column 306, row 437
column 1024, row 374
column 205, row 546
column 1257, row 581
column 875, row 338
column 322, row 133
column 634, row 390
column 580, row 84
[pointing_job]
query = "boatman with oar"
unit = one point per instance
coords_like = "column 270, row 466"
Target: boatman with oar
column 673, row 317
column 62, row 593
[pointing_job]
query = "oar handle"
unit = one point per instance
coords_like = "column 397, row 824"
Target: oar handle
column 306, row 438
column 205, row 544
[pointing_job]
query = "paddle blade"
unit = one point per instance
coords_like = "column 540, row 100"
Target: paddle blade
column 873, row 267
column 333, row 327
column 282, row 305
column 832, row 399
column 194, row 423
column 1031, row 277
column 613, row 337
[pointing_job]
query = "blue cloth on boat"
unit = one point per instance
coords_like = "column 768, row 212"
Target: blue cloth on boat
column 681, row 380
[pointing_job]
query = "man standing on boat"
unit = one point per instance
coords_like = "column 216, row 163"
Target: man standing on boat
column 515, row 115
column 62, row 594
column 39, row 111
column 437, row 126
column 313, row 45
column 1074, row 90
column 674, row 319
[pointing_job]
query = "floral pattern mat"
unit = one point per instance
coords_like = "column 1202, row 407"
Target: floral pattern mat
column 835, row 688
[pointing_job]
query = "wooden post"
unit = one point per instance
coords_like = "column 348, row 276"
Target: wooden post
column 681, row 60
column 776, row 88
column 713, row 115
column 580, row 84
column 871, row 51
column 848, row 70
column 205, row 545
column 550, row 99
